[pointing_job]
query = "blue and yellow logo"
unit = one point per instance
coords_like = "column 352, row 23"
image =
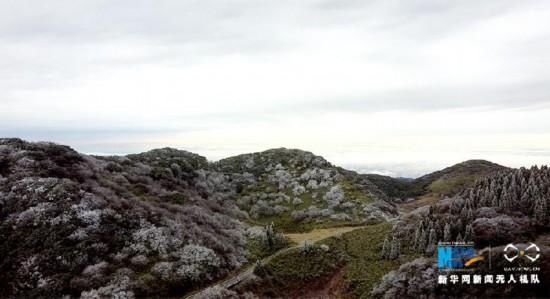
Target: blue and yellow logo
column 457, row 256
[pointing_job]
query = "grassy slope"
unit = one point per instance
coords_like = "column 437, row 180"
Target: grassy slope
column 365, row 268
column 358, row 251
column 447, row 181
column 452, row 179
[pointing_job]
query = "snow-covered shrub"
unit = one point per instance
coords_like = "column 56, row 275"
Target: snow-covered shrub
column 197, row 263
column 152, row 238
column 297, row 201
column 34, row 215
column 163, row 270
column 217, row 292
column 118, row 288
column 312, row 184
column 96, row 269
column 139, row 260
column 281, row 177
column 341, row 217
column 334, row 196
column 298, row 189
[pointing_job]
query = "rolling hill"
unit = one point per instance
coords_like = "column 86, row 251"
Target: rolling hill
column 297, row 190
column 447, row 181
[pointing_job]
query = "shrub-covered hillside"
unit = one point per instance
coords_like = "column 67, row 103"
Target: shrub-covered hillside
column 147, row 224
column 297, row 190
column 393, row 187
column 164, row 222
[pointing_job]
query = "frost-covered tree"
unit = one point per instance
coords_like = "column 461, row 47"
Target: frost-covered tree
column 458, row 226
column 432, row 241
column 334, row 196
column 197, row 263
column 541, row 211
column 385, row 248
column 469, row 233
column 463, row 214
column 217, row 292
column 272, row 239
column 269, row 235
column 308, row 248
column 416, row 238
column 447, row 232
column 469, row 214
column 395, row 250
column 422, row 241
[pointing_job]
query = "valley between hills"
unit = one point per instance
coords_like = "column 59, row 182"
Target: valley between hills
column 282, row 223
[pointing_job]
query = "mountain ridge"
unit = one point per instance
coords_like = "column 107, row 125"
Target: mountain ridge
column 448, row 181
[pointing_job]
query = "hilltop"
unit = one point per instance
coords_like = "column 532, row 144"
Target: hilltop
column 447, row 181
column 298, row 190
column 453, row 179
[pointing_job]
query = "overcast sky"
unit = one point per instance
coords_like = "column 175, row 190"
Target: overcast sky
column 393, row 87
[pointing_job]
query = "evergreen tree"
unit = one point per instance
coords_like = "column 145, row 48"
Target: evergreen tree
column 455, row 207
column 541, row 210
column 470, row 214
column 469, row 233
column 307, row 248
column 416, row 238
column 421, row 224
column 459, row 226
column 494, row 201
column 438, row 227
column 386, row 248
column 447, row 233
column 395, row 250
column 506, row 200
column 421, row 246
column 463, row 214
column 432, row 240
column 269, row 236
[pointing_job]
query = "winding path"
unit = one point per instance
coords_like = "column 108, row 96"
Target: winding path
column 313, row 236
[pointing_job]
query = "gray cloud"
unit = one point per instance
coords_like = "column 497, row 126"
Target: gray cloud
column 107, row 69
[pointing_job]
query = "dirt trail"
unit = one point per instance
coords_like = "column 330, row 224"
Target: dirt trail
column 420, row 201
column 320, row 234
column 313, row 236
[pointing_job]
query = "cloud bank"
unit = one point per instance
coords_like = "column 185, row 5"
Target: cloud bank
column 393, row 87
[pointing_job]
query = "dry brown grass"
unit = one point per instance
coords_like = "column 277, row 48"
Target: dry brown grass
column 424, row 200
column 320, row 234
